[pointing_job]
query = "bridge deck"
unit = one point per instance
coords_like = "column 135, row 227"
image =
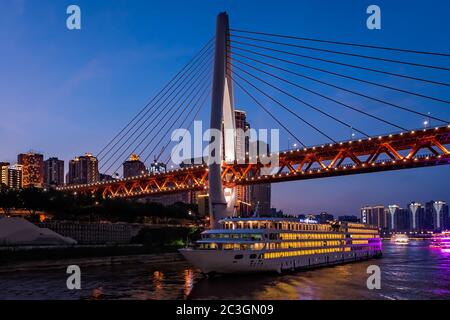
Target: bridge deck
column 403, row 150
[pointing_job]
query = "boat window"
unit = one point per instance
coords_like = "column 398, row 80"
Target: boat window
column 238, row 256
column 253, row 256
column 257, row 246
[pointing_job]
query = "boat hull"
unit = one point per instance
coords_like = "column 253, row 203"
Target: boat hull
column 234, row 261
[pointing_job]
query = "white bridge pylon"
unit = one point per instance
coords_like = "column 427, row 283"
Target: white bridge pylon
column 222, row 200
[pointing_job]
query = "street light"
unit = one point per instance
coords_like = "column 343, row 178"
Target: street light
column 426, row 122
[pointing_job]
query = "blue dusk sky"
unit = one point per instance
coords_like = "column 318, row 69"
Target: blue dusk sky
column 64, row 93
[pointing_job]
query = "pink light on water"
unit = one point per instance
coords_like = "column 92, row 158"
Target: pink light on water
column 441, row 241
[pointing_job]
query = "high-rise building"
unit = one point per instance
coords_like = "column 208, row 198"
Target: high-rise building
column 133, row 167
column 417, row 217
column 32, row 169
column 15, row 178
column 242, row 140
column 260, row 196
column 403, row 220
column 397, row 219
column 243, row 193
column 103, row 177
column 171, row 198
column 374, row 215
column 437, row 215
column 392, row 212
column 157, row 167
column 349, row 219
column 323, row 217
column 276, row 213
column 83, row 170
column 53, row 172
column 202, row 201
column 4, row 173
column 255, row 198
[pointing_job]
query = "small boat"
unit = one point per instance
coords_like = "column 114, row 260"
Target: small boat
column 400, row 239
column 441, row 240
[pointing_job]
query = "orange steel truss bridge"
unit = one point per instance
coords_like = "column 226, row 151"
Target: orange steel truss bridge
column 289, row 74
column 327, row 160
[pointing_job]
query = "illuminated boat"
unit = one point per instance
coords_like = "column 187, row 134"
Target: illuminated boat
column 260, row 244
column 400, row 239
column 441, row 240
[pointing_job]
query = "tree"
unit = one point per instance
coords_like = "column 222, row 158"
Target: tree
column 33, row 199
column 8, row 199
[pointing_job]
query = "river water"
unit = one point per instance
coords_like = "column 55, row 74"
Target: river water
column 413, row 271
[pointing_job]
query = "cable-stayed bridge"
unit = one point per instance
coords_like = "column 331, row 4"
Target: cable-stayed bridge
column 295, row 76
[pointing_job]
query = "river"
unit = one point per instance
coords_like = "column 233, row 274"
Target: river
column 413, row 271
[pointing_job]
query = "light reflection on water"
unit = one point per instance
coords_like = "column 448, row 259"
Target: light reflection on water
column 408, row 272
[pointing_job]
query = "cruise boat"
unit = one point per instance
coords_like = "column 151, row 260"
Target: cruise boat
column 441, row 241
column 244, row 245
column 400, row 239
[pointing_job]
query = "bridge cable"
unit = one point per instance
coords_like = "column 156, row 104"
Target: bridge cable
column 191, row 95
column 153, row 116
column 191, row 64
column 202, row 97
column 287, row 109
column 294, row 97
column 160, row 92
column 194, row 83
column 167, row 95
column 354, row 55
column 174, row 122
column 335, row 86
column 321, row 95
column 266, row 110
column 189, row 125
column 198, row 95
column 344, row 43
column 350, row 77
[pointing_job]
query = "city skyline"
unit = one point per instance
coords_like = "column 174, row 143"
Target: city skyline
column 416, row 217
column 90, row 89
column 301, row 211
column 235, row 153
